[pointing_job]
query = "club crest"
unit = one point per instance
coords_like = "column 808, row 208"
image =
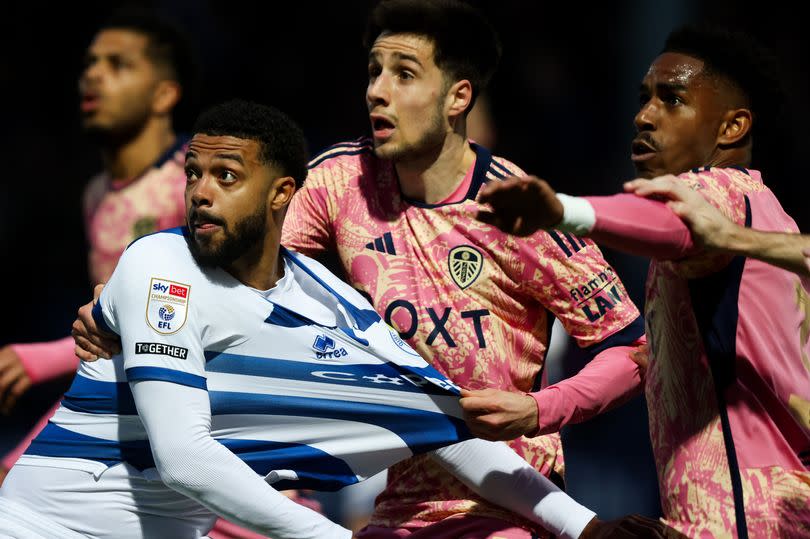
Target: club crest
column 167, row 306
column 465, row 264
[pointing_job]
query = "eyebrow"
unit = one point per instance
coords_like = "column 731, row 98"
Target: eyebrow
column 671, row 86
column 372, row 56
column 229, row 156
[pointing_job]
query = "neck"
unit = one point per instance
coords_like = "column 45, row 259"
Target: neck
column 733, row 157
column 433, row 176
column 128, row 159
column 263, row 266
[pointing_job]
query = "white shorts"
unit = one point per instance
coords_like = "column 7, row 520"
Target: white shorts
column 37, row 500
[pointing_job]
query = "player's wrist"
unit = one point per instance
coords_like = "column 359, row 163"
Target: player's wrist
column 578, row 215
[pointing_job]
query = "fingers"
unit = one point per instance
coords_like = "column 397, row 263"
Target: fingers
column 8, row 380
column 666, row 187
column 17, row 390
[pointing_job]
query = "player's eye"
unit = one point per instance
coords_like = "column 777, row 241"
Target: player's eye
column 406, row 74
column 227, row 176
column 191, row 175
column 374, row 71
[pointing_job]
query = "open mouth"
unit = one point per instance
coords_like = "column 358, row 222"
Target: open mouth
column 641, row 150
column 89, row 102
column 381, row 126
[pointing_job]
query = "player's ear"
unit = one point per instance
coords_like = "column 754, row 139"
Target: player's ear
column 459, row 99
column 166, row 96
column 736, row 125
column 281, row 192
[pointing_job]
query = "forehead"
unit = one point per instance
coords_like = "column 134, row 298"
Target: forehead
column 675, row 69
column 119, row 41
column 403, row 45
column 210, row 146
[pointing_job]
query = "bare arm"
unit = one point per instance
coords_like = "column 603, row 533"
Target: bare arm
column 712, row 230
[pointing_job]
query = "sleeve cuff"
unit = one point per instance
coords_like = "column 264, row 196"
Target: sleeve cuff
column 548, row 410
column 137, row 374
column 47, row 360
column 579, row 216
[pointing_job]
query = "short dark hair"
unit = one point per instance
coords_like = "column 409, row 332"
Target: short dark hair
column 740, row 60
column 169, row 47
column 466, row 45
column 282, row 142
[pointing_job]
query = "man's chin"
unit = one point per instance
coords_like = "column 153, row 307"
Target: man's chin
column 646, row 172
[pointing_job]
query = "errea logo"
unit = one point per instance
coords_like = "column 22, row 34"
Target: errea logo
column 325, row 348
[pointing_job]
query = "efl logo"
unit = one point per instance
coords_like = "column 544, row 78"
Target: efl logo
column 179, row 291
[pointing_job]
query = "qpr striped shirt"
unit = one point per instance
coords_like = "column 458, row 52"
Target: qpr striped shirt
column 307, row 385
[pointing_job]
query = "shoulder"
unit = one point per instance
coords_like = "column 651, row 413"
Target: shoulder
column 500, row 168
column 164, row 244
column 343, row 160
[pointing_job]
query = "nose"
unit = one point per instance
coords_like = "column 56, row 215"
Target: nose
column 201, row 191
column 645, row 117
column 91, row 71
column 378, row 91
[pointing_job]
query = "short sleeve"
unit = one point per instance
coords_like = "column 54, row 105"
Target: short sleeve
column 570, row 277
column 153, row 312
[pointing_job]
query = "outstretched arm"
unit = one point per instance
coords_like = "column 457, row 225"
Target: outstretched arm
column 712, row 230
column 645, row 227
column 498, row 474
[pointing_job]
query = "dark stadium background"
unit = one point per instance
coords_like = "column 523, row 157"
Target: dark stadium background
column 562, row 104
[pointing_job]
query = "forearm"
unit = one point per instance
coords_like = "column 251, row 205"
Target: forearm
column 497, row 473
column 190, row 461
column 628, row 223
column 610, row 379
column 780, row 249
column 47, row 360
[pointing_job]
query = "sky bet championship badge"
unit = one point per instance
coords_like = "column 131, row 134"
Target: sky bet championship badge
column 167, row 307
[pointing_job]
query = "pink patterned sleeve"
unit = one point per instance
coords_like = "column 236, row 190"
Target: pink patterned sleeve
column 575, row 283
column 47, row 360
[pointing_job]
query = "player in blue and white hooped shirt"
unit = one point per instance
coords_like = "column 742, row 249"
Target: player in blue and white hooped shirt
column 245, row 365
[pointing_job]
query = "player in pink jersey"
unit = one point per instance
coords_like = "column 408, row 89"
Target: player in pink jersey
column 136, row 70
column 398, row 211
column 728, row 377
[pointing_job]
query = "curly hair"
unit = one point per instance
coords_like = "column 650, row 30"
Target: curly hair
column 281, row 140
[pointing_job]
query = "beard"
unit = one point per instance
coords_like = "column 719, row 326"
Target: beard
column 431, row 139
column 240, row 237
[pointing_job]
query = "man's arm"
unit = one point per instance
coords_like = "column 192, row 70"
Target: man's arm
column 190, row 461
column 569, row 277
column 608, row 380
column 712, row 230
column 498, row 474
column 524, row 205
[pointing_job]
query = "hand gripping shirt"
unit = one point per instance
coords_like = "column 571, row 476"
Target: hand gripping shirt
column 728, row 384
column 478, row 304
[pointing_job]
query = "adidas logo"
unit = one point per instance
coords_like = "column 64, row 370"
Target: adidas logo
column 384, row 244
